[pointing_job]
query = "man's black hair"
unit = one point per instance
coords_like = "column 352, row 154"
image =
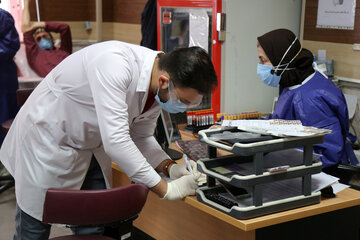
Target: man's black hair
column 40, row 30
column 190, row 68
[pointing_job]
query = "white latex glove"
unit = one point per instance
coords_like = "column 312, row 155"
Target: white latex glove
column 182, row 187
column 179, row 170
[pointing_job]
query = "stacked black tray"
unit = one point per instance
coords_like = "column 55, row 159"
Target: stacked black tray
column 263, row 175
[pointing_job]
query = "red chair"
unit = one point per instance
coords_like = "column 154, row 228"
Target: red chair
column 21, row 95
column 117, row 207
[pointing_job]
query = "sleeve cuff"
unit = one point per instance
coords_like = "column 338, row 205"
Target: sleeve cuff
column 150, row 179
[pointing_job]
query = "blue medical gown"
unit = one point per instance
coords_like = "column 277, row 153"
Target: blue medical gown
column 321, row 104
column 9, row 45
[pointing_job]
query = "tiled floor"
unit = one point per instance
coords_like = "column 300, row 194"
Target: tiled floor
column 7, row 212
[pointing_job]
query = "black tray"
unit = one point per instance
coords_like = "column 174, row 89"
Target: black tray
column 265, row 143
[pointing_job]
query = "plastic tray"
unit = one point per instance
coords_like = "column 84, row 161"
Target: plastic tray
column 256, row 146
column 249, row 168
column 239, row 171
column 246, row 210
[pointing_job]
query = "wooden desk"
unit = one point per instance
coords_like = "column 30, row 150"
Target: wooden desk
column 189, row 219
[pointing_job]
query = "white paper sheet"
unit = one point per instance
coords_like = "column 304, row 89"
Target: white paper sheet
column 289, row 188
column 336, row 14
column 275, row 127
column 322, row 180
column 338, row 187
column 199, row 29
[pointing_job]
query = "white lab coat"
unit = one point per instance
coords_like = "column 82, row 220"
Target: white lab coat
column 91, row 103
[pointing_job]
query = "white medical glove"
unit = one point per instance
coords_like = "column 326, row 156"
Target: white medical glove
column 179, row 170
column 182, row 187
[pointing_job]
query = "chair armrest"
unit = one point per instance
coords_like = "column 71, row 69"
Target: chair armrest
column 5, row 126
column 349, row 167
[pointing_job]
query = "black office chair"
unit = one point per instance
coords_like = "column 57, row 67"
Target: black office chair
column 117, row 208
column 347, row 172
column 8, row 181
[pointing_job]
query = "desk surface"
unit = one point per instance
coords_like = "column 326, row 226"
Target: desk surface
column 344, row 199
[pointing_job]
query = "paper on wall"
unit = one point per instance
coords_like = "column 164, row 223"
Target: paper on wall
column 199, row 29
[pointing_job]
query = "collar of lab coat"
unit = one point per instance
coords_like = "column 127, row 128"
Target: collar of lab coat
column 145, row 75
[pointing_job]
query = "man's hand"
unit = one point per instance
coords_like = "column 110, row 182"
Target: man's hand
column 179, row 170
column 26, row 25
column 182, row 187
column 32, row 27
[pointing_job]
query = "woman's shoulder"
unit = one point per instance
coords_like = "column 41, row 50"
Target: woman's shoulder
column 319, row 83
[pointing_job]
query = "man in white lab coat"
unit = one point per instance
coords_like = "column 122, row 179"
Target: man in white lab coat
column 102, row 101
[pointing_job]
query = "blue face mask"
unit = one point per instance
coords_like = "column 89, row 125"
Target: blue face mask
column 171, row 106
column 267, row 74
column 264, row 73
column 45, row 44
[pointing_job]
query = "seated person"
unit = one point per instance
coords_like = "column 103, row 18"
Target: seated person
column 41, row 53
column 305, row 94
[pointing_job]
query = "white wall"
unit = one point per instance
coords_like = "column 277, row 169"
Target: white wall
column 5, row 5
column 241, row 89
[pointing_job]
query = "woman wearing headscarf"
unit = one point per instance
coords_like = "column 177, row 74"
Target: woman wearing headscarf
column 305, row 94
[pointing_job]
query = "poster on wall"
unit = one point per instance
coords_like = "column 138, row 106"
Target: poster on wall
column 336, row 14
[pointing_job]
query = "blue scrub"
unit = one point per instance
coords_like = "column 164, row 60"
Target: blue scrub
column 9, row 45
column 321, row 104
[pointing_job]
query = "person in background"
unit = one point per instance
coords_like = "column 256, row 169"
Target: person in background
column 100, row 105
column 183, row 39
column 41, row 53
column 9, row 45
column 305, row 95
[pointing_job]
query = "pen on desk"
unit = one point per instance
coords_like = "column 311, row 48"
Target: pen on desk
column 188, row 164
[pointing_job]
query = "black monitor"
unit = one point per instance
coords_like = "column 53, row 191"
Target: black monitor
column 166, row 133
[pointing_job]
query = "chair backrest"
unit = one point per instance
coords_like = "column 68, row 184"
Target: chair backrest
column 93, row 207
column 22, row 95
